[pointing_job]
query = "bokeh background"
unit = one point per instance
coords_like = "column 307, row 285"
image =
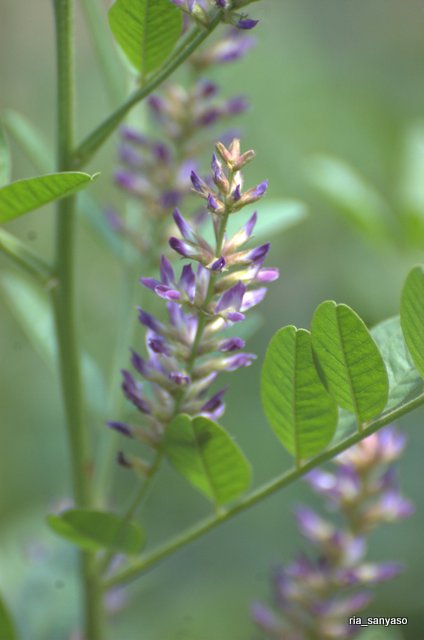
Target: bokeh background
column 326, row 76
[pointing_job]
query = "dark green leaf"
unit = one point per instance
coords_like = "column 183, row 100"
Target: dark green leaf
column 353, row 197
column 4, row 159
column 412, row 316
column 95, row 530
column 23, row 196
column 146, row 31
column 7, row 628
column 299, row 409
column 350, row 360
column 207, row 457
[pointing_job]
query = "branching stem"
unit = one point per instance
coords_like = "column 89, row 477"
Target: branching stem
column 154, row 557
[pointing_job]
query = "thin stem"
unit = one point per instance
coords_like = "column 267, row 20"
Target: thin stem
column 88, row 147
column 135, row 504
column 64, row 311
column 268, row 489
column 112, row 71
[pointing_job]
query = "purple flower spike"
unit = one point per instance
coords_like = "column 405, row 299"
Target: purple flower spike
column 239, row 360
column 159, row 346
column 264, row 618
column 219, row 264
column 133, row 393
column 167, row 293
column 179, row 378
column 268, row 274
column 149, row 321
column 231, row 344
column 313, row 526
column 212, row 203
column 236, row 193
column 139, row 364
column 121, row 428
column 236, row 106
column 157, row 104
column 260, row 190
column 252, row 298
column 166, row 271
column 183, row 248
column 246, row 24
column 222, row 4
column 185, row 229
column 259, row 253
column 188, row 282
column 199, row 185
column 232, row 298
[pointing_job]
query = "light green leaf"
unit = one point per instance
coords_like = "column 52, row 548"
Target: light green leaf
column 4, row 158
column 23, row 196
column 404, row 380
column 350, row 360
column 207, row 457
column 350, row 193
column 96, row 530
column 29, row 138
column 7, row 628
column 146, row 31
column 411, row 188
column 298, row 408
column 412, row 316
column 31, row 309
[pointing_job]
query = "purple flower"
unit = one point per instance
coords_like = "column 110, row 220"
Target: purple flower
column 246, row 23
column 323, row 593
column 121, row 428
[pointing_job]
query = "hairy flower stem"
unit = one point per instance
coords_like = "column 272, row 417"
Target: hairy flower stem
column 138, row 568
column 64, row 312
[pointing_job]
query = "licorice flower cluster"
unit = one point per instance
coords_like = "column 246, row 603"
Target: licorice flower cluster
column 200, row 11
column 316, row 598
column 192, row 347
column 155, row 170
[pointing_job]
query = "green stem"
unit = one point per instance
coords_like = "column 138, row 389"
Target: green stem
column 64, row 311
column 112, row 71
column 88, row 147
column 268, row 489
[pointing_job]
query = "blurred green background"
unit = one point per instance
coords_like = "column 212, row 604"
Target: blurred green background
column 327, row 76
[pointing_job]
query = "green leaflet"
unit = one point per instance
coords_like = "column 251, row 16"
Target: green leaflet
column 7, row 628
column 4, row 159
column 412, row 316
column 146, row 31
column 404, row 380
column 358, row 201
column 96, row 530
column 23, row 196
column 298, row 408
column 207, row 457
column 350, row 360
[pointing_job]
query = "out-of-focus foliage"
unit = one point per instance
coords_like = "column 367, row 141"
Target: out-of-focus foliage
column 327, row 77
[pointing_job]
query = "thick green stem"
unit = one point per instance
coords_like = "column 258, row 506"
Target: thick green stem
column 141, row 566
column 88, row 147
column 64, row 308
